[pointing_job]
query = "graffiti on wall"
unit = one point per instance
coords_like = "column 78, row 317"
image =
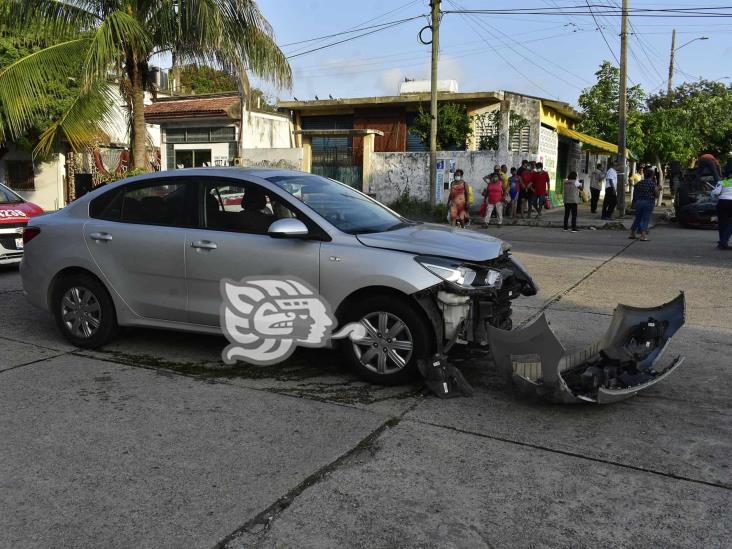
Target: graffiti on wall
column 548, row 144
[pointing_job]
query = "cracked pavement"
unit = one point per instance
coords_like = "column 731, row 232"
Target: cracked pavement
column 153, row 442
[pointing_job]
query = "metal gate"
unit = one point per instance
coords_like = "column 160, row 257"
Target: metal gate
column 336, row 162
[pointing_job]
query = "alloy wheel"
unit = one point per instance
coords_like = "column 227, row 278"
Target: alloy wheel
column 81, row 312
column 388, row 345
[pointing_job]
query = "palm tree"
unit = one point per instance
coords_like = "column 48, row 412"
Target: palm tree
column 105, row 41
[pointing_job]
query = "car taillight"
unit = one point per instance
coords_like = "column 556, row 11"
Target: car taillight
column 29, row 233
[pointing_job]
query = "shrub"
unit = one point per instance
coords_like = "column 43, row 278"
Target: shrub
column 412, row 207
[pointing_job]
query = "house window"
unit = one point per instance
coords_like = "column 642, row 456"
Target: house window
column 194, row 158
column 486, row 130
column 200, row 135
column 19, row 175
column 520, row 138
column 227, row 133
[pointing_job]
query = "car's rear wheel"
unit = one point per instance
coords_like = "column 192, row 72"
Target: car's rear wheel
column 397, row 336
column 84, row 311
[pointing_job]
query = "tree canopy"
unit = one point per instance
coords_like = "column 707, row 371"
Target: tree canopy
column 99, row 39
column 695, row 119
column 599, row 105
column 60, row 91
column 454, row 126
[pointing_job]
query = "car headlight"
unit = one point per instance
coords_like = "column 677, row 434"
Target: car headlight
column 460, row 275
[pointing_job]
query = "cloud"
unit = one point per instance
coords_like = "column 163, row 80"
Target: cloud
column 389, row 81
column 451, row 68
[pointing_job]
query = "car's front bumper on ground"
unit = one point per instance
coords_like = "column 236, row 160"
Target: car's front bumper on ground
column 619, row 365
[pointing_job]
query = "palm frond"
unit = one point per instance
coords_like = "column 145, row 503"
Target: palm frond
column 83, row 123
column 24, row 84
column 51, row 19
column 119, row 34
column 231, row 34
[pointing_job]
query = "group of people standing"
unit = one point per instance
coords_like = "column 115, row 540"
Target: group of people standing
column 514, row 193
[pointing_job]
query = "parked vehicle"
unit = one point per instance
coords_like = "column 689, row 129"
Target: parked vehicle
column 693, row 205
column 15, row 212
column 152, row 251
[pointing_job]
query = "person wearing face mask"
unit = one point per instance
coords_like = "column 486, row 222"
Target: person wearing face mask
column 493, row 194
column 458, row 200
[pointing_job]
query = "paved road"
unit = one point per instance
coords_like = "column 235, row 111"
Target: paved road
column 152, row 443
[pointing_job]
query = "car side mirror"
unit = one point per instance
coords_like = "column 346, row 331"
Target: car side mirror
column 287, row 228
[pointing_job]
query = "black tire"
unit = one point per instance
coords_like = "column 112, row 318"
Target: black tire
column 93, row 305
column 418, row 330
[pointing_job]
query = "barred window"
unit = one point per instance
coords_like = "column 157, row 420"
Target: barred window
column 520, row 138
column 487, row 130
column 20, row 175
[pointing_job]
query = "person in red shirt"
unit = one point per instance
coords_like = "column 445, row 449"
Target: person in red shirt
column 527, row 189
column 540, row 180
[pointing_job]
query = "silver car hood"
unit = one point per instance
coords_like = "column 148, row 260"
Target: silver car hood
column 439, row 240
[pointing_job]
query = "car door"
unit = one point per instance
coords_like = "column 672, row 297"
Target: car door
column 232, row 242
column 136, row 236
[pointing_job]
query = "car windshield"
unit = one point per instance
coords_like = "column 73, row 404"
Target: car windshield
column 344, row 207
column 9, row 197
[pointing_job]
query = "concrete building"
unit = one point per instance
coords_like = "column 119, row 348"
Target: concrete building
column 213, row 130
column 513, row 125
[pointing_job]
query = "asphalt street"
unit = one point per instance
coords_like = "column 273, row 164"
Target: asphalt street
column 153, row 442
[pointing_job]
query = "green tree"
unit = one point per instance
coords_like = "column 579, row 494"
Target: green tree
column 118, row 38
column 454, row 126
column 599, row 105
column 200, row 79
column 60, row 92
column 697, row 118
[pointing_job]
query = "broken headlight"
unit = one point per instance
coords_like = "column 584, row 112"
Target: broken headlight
column 463, row 276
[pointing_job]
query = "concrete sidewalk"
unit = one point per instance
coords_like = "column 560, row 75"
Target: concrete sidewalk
column 554, row 218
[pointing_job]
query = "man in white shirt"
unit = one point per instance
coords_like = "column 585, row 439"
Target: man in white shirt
column 597, row 180
column 611, row 196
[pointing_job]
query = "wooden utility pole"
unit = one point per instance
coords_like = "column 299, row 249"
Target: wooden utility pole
column 435, row 5
column 623, row 111
column 671, row 65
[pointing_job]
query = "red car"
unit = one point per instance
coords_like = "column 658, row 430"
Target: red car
column 15, row 212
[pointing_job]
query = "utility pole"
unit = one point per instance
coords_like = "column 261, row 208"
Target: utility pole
column 671, row 65
column 435, row 5
column 623, row 111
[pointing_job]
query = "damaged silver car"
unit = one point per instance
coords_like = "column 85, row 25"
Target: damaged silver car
column 152, row 251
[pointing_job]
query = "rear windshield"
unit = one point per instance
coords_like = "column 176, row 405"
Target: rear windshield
column 9, row 197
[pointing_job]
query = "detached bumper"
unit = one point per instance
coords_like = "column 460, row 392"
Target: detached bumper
column 619, row 365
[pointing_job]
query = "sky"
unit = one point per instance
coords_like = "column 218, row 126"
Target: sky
column 552, row 56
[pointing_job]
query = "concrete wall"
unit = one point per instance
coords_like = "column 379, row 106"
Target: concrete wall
column 285, row 158
column 393, row 172
column 548, row 143
column 530, row 109
column 48, row 179
column 265, row 130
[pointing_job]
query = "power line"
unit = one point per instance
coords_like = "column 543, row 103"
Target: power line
column 602, row 32
column 518, row 71
column 388, row 26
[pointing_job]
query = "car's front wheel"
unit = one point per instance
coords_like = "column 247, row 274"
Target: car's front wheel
column 83, row 310
column 397, row 335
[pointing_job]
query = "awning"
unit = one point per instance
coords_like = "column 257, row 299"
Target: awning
column 591, row 143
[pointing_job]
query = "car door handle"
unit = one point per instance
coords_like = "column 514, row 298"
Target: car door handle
column 103, row 237
column 204, row 245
